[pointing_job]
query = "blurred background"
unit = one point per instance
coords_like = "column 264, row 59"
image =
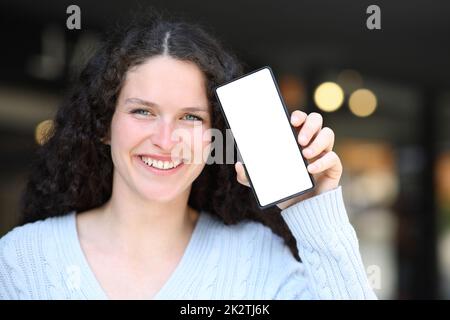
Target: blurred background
column 385, row 92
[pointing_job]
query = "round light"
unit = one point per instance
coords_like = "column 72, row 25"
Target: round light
column 362, row 102
column 42, row 131
column 329, row 96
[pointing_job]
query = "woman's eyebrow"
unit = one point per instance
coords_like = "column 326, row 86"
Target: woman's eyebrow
column 140, row 101
column 155, row 105
column 195, row 109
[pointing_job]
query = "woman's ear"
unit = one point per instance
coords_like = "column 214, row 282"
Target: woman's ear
column 105, row 140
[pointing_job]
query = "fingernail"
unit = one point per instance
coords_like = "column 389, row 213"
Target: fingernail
column 294, row 119
column 312, row 167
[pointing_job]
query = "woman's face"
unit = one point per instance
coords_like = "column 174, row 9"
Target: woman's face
column 159, row 130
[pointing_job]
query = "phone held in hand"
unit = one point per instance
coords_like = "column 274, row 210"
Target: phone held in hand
column 265, row 139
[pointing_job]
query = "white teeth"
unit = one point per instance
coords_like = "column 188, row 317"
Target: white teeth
column 160, row 164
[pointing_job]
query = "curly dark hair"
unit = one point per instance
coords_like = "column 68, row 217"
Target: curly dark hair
column 73, row 169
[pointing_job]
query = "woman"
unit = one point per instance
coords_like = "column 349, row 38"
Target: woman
column 105, row 218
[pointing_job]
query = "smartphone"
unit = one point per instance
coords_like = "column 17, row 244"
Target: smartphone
column 265, row 139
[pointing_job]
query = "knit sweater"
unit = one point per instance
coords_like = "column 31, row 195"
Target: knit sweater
column 44, row 259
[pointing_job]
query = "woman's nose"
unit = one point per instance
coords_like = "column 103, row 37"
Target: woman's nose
column 165, row 136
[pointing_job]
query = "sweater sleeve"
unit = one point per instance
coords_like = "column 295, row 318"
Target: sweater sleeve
column 11, row 279
column 331, row 265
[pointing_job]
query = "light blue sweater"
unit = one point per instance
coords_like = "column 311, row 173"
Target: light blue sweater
column 44, row 260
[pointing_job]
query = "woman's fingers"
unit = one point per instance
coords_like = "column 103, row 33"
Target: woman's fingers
column 329, row 162
column 298, row 117
column 241, row 177
column 310, row 128
column 324, row 141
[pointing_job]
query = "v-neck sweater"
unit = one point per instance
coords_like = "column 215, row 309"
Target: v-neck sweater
column 44, row 259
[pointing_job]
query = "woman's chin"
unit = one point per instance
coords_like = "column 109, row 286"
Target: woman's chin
column 160, row 195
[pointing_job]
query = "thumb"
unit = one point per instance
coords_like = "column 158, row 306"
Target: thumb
column 241, row 176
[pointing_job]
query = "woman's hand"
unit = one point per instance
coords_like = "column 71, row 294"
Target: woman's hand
column 323, row 163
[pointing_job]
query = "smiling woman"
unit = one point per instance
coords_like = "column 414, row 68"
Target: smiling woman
column 111, row 211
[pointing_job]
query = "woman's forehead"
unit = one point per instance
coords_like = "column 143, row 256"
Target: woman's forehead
column 162, row 79
column 165, row 69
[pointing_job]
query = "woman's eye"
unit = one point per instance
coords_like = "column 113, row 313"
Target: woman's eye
column 142, row 112
column 192, row 117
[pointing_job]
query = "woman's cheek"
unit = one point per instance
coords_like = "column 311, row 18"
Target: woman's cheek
column 125, row 132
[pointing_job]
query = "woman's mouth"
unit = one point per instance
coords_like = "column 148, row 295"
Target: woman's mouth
column 161, row 167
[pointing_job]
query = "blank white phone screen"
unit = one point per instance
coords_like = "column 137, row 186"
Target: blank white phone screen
column 263, row 134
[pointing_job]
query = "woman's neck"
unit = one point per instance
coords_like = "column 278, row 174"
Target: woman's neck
column 133, row 225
